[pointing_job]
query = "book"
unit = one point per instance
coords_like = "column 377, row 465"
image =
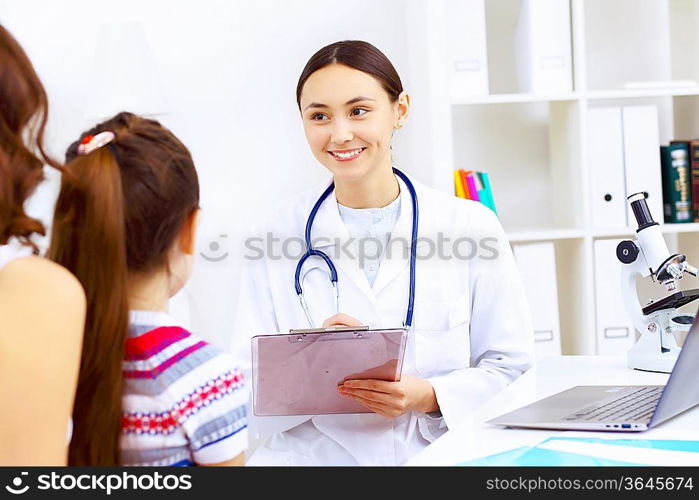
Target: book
column 458, row 186
column 693, row 173
column 471, row 183
column 487, row 197
column 677, row 195
column 464, row 183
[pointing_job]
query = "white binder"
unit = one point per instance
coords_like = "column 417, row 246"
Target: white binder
column 615, row 331
column 537, row 266
column 467, row 48
column 642, row 157
column 606, row 166
column 543, row 45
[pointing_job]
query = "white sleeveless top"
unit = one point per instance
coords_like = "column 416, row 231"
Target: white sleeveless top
column 13, row 251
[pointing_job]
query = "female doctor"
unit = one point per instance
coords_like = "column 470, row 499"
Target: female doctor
column 469, row 328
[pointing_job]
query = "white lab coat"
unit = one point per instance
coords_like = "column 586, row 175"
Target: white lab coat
column 471, row 334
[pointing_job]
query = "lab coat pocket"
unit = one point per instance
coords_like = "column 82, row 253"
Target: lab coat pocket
column 442, row 337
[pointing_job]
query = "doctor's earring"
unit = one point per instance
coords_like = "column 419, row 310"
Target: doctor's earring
column 399, row 124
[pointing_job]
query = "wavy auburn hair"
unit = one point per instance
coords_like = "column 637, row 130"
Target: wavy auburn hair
column 23, row 117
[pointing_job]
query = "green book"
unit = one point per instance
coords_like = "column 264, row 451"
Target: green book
column 677, row 183
column 487, row 193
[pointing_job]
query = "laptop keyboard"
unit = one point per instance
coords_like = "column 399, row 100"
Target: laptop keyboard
column 634, row 406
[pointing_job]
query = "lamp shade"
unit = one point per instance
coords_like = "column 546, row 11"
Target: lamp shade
column 124, row 74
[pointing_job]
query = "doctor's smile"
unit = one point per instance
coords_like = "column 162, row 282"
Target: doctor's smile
column 346, row 154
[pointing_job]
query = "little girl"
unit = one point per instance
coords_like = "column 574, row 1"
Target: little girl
column 149, row 391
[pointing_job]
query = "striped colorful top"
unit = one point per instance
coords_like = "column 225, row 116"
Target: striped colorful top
column 185, row 401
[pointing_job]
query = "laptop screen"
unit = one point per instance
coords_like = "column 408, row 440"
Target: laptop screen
column 682, row 389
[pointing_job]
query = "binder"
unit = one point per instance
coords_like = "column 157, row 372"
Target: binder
column 543, row 43
column 642, row 157
column 606, row 166
column 623, row 156
column 467, row 48
column 537, row 267
column 298, row 373
column 614, row 329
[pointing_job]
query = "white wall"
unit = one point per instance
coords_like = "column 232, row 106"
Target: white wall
column 229, row 72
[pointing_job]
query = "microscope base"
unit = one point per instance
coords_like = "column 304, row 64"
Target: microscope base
column 646, row 355
column 661, row 364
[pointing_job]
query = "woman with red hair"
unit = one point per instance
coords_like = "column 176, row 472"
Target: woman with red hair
column 42, row 305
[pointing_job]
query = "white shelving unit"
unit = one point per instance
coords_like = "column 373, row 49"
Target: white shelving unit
column 534, row 145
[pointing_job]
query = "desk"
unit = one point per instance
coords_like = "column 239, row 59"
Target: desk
column 472, row 438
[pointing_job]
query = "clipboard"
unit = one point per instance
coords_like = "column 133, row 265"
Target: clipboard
column 298, row 373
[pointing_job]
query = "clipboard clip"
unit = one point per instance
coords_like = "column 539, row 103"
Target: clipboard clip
column 311, row 334
column 331, row 329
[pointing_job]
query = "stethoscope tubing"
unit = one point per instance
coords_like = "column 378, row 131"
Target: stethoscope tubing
column 311, row 252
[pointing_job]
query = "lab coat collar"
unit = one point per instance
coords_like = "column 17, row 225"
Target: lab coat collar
column 391, row 267
column 328, row 234
column 330, row 231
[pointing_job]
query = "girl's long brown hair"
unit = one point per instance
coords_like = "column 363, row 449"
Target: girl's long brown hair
column 23, row 117
column 119, row 211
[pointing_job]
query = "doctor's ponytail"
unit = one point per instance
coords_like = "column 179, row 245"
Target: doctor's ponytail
column 121, row 207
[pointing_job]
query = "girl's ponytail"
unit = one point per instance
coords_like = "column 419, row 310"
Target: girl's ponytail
column 89, row 239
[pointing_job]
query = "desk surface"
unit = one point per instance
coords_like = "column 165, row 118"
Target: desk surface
column 473, row 438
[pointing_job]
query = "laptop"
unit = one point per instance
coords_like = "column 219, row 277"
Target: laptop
column 616, row 408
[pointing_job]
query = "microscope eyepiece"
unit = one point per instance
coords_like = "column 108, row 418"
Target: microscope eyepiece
column 641, row 210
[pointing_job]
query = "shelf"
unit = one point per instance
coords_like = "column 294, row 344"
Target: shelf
column 572, row 96
column 537, row 147
column 688, row 227
column 631, row 93
column 613, row 232
column 544, row 235
column 515, row 98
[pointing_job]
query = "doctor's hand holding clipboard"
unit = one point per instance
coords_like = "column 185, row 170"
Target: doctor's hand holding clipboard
column 382, row 250
column 389, row 399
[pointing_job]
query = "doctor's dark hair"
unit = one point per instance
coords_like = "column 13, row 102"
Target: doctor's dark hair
column 119, row 211
column 356, row 54
column 23, row 117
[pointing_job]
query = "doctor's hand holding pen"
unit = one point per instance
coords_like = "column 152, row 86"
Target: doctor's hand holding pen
column 389, row 399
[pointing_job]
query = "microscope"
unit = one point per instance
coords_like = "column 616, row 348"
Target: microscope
column 662, row 328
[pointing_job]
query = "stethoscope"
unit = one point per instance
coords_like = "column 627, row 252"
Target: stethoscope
column 310, row 252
